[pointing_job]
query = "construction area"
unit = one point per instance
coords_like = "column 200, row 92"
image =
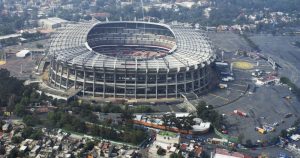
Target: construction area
column 20, row 61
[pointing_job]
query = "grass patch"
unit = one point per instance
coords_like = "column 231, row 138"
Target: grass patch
column 167, row 134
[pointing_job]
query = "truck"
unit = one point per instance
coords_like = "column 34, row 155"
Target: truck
column 268, row 128
column 240, row 113
column 228, row 78
column 222, row 85
column 260, row 130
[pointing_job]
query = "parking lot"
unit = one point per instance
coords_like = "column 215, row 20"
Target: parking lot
column 283, row 51
column 267, row 105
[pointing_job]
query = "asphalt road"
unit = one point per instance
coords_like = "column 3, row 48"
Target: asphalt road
column 283, row 51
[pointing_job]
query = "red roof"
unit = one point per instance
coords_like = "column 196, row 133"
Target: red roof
column 198, row 150
column 183, row 147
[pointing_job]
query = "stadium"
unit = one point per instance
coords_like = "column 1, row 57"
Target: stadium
column 130, row 59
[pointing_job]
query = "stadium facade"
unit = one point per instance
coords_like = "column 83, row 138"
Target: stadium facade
column 130, row 59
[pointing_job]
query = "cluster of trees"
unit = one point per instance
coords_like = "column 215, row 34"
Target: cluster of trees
column 64, row 120
column 18, row 98
column 143, row 109
column 10, row 23
column 33, row 36
column 9, row 41
column 207, row 113
column 10, row 89
column 185, row 123
column 124, row 134
column 61, row 119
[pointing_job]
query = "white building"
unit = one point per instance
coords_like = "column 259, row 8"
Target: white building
column 22, row 53
column 52, row 23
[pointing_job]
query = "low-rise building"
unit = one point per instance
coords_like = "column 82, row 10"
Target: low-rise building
column 6, row 127
column 52, row 23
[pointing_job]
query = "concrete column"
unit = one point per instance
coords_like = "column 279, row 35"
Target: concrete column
column 193, row 80
column 68, row 76
column 84, row 75
column 205, row 75
column 125, row 86
column 167, row 75
column 176, row 86
column 115, row 82
column 104, row 79
column 198, row 73
column 60, row 78
column 50, row 71
column 135, row 84
column 184, row 78
column 156, row 85
column 146, row 83
column 56, row 69
column 75, row 81
column 94, row 78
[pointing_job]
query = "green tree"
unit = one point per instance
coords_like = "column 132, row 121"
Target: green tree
column 20, row 110
column 2, row 150
column 89, row 145
column 16, row 140
column 176, row 155
column 13, row 153
column 161, row 152
column 127, row 114
column 166, row 121
column 249, row 143
column 36, row 134
column 283, row 133
column 31, row 120
column 27, row 132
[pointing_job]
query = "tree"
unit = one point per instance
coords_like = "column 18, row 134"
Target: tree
column 207, row 113
column 31, row 120
column 2, row 150
column 176, row 155
column 10, row 88
column 36, row 134
column 38, row 45
column 241, row 137
column 127, row 113
column 89, row 145
column 161, row 151
column 20, row 110
column 16, row 140
column 187, row 123
column 27, row 132
column 13, row 153
column 166, row 121
column 11, row 103
column 249, row 143
column 102, row 153
column 283, row 133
